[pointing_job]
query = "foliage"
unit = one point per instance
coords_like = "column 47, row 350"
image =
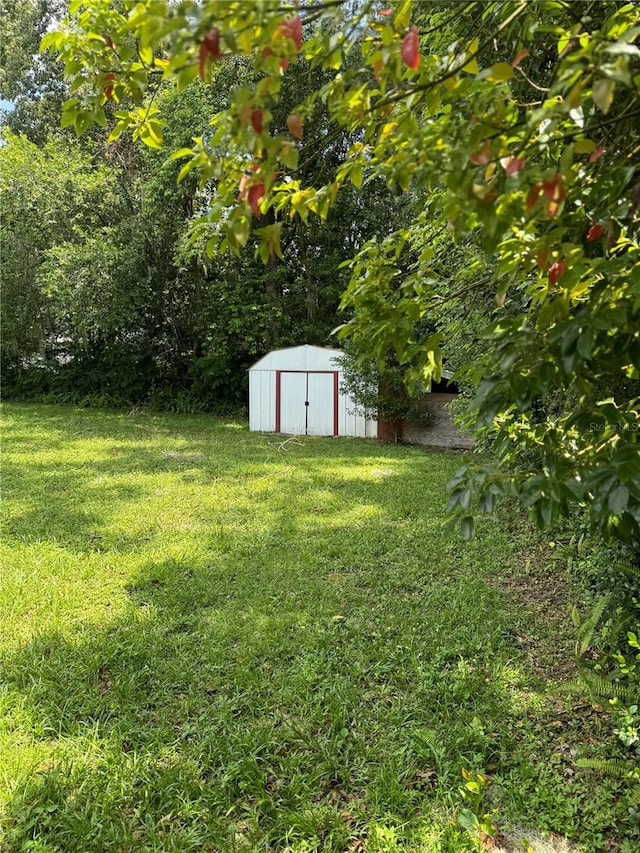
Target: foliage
column 142, row 315
column 380, row 394
column 608, row 654
column 522, row 116
column 33, row 83
column 53, row 195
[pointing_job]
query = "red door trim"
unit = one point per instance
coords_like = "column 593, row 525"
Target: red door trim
column 336, row 389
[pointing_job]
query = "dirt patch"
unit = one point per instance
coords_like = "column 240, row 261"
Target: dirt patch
column 175, row 456
column 542, row 589
column 530, row 841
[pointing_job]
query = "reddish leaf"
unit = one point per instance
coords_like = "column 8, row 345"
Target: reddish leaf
column 595, row 232
column 242, row 186
column 212, row 41
column 254, row 196
column 410, row 53
column 483, row 156
column 292, row 29
column 244, row 114
column 204, row 52
column 210, row 47
column 256, row 121
column 597, row 154
column 294, row 123
column 552, row 188
column 556, row 271
column 514, row 165
column 533, row 195
column 108, row 89
column 520, row 55
column 554, row 191
column 385, row 12
column 109, row 42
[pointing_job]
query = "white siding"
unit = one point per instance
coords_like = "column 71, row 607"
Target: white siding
column 299, row 358
column 293, row 395
column 315, row 368
column 262, row 400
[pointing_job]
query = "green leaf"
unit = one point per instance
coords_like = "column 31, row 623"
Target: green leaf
column 472, row 66
column 402, row 14
column 618, row 499
column 180, row 153
column 146, row 54
column 603, row 94
column 69, row 115
column 82, row 122
column 188, row 167
column 468, row 820
column 466, row 527
column 584, row 146
column 240, row 229
column 289, row 156
column 500, row 72
column 117, row 131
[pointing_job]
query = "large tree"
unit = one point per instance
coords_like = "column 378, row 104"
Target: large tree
column 511, row 123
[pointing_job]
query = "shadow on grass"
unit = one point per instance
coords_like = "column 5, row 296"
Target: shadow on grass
column 68, row 472
column 322, row 662
column 246, row 706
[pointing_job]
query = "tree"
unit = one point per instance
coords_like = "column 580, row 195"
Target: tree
column 513, row 122
column 380, row 393
column 32, row 82
column 54, row 202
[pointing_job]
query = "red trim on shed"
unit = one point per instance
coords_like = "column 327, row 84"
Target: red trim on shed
column 336, row 392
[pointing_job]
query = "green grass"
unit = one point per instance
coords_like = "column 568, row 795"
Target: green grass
column 213, row 641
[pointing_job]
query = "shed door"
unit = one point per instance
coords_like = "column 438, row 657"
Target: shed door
column 321, row 408
column 307, row 403
column 293, row 398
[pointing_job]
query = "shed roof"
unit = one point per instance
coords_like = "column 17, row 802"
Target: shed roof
column 305, row 357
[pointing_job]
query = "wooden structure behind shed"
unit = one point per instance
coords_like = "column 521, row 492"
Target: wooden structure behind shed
column 439, row 430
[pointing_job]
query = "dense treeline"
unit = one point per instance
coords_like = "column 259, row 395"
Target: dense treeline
column 109, row 294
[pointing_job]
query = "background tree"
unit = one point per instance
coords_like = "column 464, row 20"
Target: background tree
column 33, row 82
column 142, row 313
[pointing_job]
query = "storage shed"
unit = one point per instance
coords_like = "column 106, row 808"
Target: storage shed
column 297, row 391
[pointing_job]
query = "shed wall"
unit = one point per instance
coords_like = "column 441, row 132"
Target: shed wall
column 263, row 398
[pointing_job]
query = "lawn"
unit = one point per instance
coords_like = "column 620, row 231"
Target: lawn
column 215, row 640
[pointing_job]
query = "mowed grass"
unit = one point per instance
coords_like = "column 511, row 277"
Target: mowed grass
column 213, row 640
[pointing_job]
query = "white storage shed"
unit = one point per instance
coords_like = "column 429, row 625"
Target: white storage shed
column 297, row 391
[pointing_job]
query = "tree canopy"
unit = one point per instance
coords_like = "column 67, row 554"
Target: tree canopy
column 513, row 125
